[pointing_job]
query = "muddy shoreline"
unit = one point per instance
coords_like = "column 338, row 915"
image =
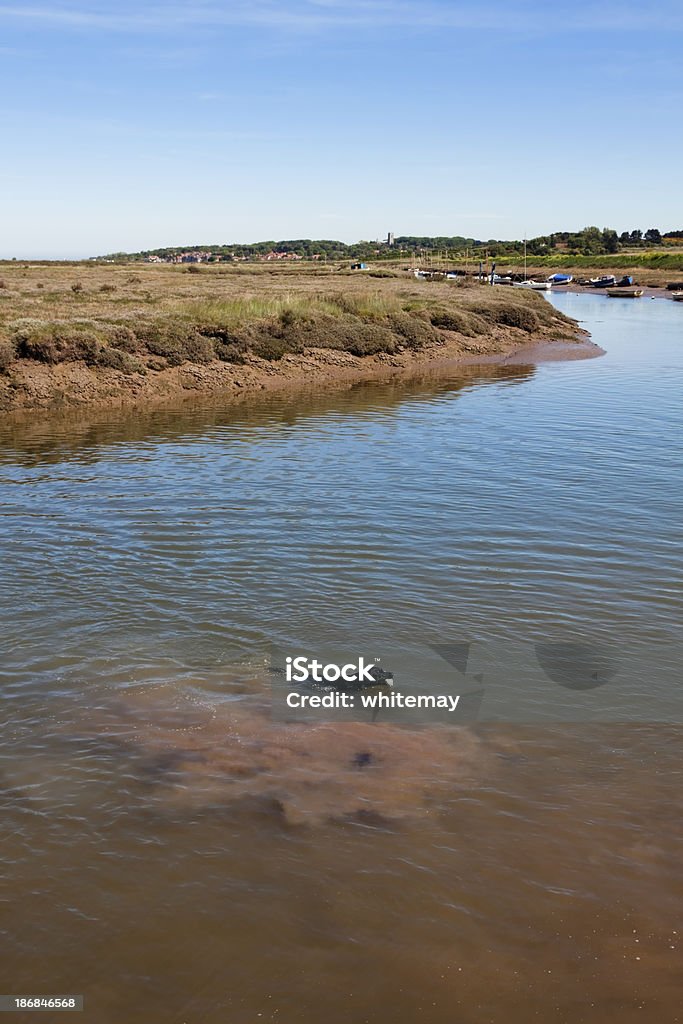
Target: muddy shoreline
column 47, row 389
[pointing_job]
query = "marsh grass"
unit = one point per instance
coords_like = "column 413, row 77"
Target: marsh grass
column 235, row 312
column 290, row 306
column 161, row 316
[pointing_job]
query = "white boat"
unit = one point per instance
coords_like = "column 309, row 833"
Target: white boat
column 677, row 296
column 624, row 293
column 536, row 286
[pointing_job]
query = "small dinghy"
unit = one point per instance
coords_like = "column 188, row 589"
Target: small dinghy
column 624, row 293
column 536, row 286
column 556, row 279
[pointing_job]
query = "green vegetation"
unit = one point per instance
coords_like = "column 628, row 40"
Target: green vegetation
column 59, row 341
column 564, row 261
column 589, row 241
column 160, row 319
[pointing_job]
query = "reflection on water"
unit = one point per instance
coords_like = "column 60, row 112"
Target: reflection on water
column 173, row 855
column 83, row 434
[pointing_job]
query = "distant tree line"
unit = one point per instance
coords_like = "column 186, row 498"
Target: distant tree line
column 590, row 241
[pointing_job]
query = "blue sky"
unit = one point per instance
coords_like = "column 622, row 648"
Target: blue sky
column 130, row 125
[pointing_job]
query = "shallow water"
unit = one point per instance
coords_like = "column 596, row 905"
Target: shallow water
column 174, row 855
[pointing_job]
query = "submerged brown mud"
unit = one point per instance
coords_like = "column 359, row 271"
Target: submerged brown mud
column 191, row 754
column 438, row 875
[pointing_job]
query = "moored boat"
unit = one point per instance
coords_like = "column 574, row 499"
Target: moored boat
column 556, row 279
column 677, row 296
column 537, row 286
column 624, row 293
column 606, row 281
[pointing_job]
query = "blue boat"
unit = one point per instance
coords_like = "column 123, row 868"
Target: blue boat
column 556, row 279
column 606, row 281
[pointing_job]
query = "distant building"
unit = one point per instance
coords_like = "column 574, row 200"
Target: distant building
column 390, row 238
column 279, row 255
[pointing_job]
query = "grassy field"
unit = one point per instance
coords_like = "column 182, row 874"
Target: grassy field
column 145, row 319
column 654, row 268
